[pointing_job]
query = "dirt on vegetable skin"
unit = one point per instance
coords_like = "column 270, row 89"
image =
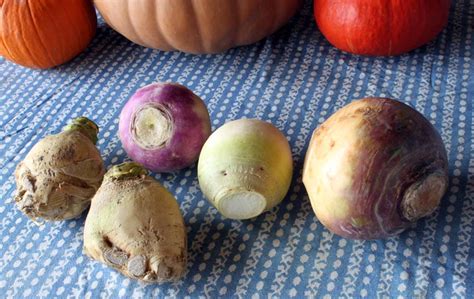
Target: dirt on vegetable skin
column 135, row 226
column 60, row 174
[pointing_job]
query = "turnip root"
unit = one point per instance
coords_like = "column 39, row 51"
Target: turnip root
column 164, row 126
column 135, row 226
column 245, row 168
column 61, row 173
column 373, row 168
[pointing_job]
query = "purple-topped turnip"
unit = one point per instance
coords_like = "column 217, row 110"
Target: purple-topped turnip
column 164, row 126
column 373, row 168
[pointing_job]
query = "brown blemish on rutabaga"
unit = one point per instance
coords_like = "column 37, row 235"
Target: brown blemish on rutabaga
column 423, row 196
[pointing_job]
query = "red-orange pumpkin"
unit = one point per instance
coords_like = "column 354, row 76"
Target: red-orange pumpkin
column 196, row 26
column 380, row 27
column 45, row 33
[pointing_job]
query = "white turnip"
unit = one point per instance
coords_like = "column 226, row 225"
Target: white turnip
column 245, row 168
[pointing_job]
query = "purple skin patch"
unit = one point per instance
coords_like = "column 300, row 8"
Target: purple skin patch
column 405, row 148
column 190, row 131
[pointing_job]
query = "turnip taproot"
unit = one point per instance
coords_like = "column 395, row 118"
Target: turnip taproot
column 373, row 168
column 135, row 226
column 61, row 173
column 245, row 168
column 164, row 126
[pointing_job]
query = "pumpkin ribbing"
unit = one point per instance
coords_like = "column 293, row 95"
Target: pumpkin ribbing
column 45, row 33
column 201, row 26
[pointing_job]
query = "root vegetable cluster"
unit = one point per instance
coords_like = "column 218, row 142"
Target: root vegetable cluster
column 372, row 169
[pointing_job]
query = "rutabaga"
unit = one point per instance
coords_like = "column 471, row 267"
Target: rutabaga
column 135, row 226
column 245, row 168
column 373, row 168
column 61, row 173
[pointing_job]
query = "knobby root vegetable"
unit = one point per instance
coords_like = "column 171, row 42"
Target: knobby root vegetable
column 61, row 173
column 135, row 226
column 164, row 126
column 373, row 168
column 245, row 168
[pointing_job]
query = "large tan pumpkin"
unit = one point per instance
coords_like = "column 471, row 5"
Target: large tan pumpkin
column 196, row 26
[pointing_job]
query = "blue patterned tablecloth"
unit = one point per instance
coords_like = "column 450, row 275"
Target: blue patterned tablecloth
column 293, row 79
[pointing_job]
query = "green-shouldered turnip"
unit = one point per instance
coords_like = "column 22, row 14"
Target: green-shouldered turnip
column 135, row 226
column 164, row 126
column 373, row 168
column 61, row 173
column 245, row 168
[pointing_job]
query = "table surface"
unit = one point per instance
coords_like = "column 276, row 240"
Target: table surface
column 293, row 79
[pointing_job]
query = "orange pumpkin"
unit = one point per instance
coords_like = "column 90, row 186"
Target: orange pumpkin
column 380, row 27
column 196, row 26
column 45, row 33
